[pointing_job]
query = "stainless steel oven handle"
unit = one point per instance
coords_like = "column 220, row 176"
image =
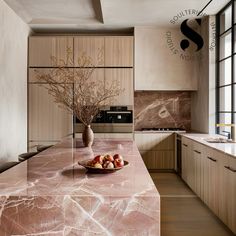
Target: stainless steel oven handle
column 118, row 112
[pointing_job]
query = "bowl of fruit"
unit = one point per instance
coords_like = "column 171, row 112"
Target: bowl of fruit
column 104, row 163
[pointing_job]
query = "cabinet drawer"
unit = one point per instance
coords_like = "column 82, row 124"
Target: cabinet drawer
column 154, row 141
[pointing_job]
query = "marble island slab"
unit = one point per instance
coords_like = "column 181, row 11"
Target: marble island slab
column 50, row 194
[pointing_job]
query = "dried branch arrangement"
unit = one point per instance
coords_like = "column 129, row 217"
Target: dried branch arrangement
column 78, row 90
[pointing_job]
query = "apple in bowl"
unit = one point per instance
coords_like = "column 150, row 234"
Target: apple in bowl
column 105, row 163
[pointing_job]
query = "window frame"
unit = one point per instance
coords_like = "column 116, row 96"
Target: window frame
column 219, row 60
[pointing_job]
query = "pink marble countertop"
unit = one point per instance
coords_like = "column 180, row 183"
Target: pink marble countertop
column 227, row 148
column 50, row 194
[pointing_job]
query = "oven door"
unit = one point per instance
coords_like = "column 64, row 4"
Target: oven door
column 119, row 117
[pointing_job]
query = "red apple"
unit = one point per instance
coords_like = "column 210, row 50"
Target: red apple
column 117, row 156
column 108, row 165
column 98, row 159
column 108, row 157
column 118, row 162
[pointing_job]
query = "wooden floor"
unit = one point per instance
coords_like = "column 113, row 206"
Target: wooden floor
column 182, row 212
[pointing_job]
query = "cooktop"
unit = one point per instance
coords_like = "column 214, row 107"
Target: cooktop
column 163, row 129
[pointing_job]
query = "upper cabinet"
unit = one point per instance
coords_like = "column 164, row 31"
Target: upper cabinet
column 119, row 51
column 157, row 67
column 43, row 50
column 124, row 77
column 91, row 46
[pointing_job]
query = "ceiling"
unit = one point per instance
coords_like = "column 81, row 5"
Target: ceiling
column 74, row 15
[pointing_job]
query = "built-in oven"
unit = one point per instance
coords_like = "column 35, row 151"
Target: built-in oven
column 178, row 154
column 114, row 119
column 119, row 115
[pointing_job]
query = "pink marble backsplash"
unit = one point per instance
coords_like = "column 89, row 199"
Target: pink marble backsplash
column 163, row 109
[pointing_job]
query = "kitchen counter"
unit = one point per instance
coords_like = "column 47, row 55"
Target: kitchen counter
column 227, row 148
column 50, row 194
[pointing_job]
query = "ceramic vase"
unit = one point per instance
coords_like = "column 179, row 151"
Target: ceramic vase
column 88, row 136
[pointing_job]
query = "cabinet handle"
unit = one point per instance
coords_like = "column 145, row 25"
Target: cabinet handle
column 197, row 151
column 185, row 144
column 229, row 168
column 212, row 159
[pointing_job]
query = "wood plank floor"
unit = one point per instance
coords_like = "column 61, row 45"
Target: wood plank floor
column 182, row 212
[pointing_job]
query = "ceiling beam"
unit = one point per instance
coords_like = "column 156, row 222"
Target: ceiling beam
column 98, row 10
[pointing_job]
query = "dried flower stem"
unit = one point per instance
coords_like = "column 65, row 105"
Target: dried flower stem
column 75, row 89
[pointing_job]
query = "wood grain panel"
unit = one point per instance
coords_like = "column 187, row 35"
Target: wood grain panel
column 91, row 46
column 232, row 195
column 60, row 75
column 125, row 79
column 158, row 159
column 42, row 48
column 154, row 141
column 47, row 122
column 119, row 51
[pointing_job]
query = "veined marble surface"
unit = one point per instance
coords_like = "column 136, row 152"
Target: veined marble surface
column 50, row 194
column 227, row 148
column 162, row 109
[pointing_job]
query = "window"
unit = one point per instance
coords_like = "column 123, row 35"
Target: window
column 226, row 79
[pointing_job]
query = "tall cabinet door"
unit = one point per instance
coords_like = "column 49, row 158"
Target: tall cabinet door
column 43, row 48
column 223, row 187
column 185, row 158
column 211, row 181
column 119, row 51
column 232, row 194
column 92, row 47
column 47, row 122
column 124, row 76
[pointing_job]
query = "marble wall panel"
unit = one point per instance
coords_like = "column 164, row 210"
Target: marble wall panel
column 162, row 109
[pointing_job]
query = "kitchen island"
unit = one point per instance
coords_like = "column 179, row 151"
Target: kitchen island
column 50, row 194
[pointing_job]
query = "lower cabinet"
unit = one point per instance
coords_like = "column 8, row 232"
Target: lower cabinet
column 156, row 149
column 46, row 121
column 231, row 190
column 211, row 174
column 211, row 179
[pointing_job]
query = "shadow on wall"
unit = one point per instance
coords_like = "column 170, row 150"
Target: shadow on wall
column 155, row 109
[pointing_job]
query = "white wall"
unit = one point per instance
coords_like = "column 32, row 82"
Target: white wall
column 203, row 101
column 160, row 63
column 13, row 84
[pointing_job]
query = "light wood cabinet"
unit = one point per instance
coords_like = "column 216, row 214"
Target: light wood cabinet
column 186, row 147
column 211, row 180
column 119, row 51
column 231, row 194
column 157, row 149
column 97, row 77
column 91, row 46
column 197, row 166
column 125, row 79
column 61, row 75
column 43, row 48
column 212, row 176
column 47, row 122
